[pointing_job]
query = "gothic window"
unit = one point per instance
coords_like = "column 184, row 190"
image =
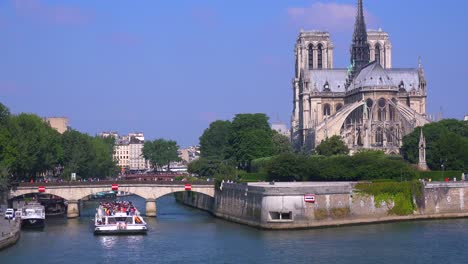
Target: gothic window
column 311, row 56
column 369, row 102
column 338, row 107
column 381, row 114
column 326, row 110
column 392, row 112
column 390, row 136
column 377, row 52
column 379, row 136
column 319, row 56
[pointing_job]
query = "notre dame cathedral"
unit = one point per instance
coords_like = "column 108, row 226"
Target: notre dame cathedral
column 371, row 105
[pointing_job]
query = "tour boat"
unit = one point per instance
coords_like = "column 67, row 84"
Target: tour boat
column 112, row 219
column 32, row 215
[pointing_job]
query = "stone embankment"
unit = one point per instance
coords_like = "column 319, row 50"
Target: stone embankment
column 9, row 233
column 315, row 204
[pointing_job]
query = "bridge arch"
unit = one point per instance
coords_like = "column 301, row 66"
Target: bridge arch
column 150, row 191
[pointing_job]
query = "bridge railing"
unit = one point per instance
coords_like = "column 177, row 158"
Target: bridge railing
column 110, row 182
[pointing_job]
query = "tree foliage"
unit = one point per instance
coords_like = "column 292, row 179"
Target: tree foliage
column 30, row 148
column 281, row 143
column 332, row 146
column 446, row 144
column 214, row 142
column 365, row 165
column 211, row 167
column 87, row 156
column 161, row 152
column 250, row 138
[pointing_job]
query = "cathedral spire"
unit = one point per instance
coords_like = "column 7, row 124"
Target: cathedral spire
column 360, row 54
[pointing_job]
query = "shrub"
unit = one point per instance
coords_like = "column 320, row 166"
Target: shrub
column 401, row 193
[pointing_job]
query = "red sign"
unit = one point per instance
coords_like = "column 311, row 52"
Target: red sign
column 188, row 187
column 309, row 198
column 115, row 187
column 41, row 189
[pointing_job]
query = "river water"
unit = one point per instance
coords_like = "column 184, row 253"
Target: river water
column 185, row 235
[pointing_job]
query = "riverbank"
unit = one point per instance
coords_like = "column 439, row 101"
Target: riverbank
column 327, row 204
column 10, row 233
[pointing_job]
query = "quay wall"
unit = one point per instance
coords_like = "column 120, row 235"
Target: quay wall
column 8, row 239
column 282, row 206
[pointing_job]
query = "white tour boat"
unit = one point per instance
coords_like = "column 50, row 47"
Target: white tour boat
column 114, row 219
column 32, row 215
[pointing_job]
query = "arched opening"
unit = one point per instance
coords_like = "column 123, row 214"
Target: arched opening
column 391, row 136
column 326, row 110
column 54, row 205
column 377, row 52
column 379, row 137
column 338, row 107
column 320, row 56
column 381, row 112
column 311, row 56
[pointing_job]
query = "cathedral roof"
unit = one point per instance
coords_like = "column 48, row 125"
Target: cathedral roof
column 369, row 77
column 336, row 79
column 372, row 76
column 408, row 77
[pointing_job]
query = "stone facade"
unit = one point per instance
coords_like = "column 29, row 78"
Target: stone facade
column 370, row 105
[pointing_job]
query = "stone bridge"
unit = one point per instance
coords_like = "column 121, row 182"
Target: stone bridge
column 72, row 192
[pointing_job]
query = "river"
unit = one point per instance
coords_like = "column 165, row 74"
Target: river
column 185, row 235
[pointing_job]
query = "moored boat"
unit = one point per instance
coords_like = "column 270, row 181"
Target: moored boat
column 32, row 215
column 118, row 218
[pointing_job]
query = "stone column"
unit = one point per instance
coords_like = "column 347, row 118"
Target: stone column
column 151, row 207
column 73, row 210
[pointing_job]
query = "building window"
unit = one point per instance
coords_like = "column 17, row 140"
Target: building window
column 326, row 109
column 392, row 113
column 278, row 216
column 382, row 109
column 390, row 135
column 379, row 137
column 326, row 87
column 311, row 56
column 319, row 56
column 377, row 52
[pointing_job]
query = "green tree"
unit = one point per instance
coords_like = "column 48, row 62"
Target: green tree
column 32, row 147
column 161, row 152
column 4, row 114
column 210, row 167
column 87, row 156
column 332, row 146
column 446, row 144
column 281, row 143
column 250, row 138
column 214, row 142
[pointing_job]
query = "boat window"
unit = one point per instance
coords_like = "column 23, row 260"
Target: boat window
column 120, row 219
column 128, row 220
column 111, row 221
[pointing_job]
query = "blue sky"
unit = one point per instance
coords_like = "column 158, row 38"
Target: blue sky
column 169, row 68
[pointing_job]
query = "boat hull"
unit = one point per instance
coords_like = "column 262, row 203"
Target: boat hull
column 120, row 231
column 32, row 223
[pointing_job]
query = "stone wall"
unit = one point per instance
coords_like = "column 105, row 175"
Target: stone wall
column 282, row 205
